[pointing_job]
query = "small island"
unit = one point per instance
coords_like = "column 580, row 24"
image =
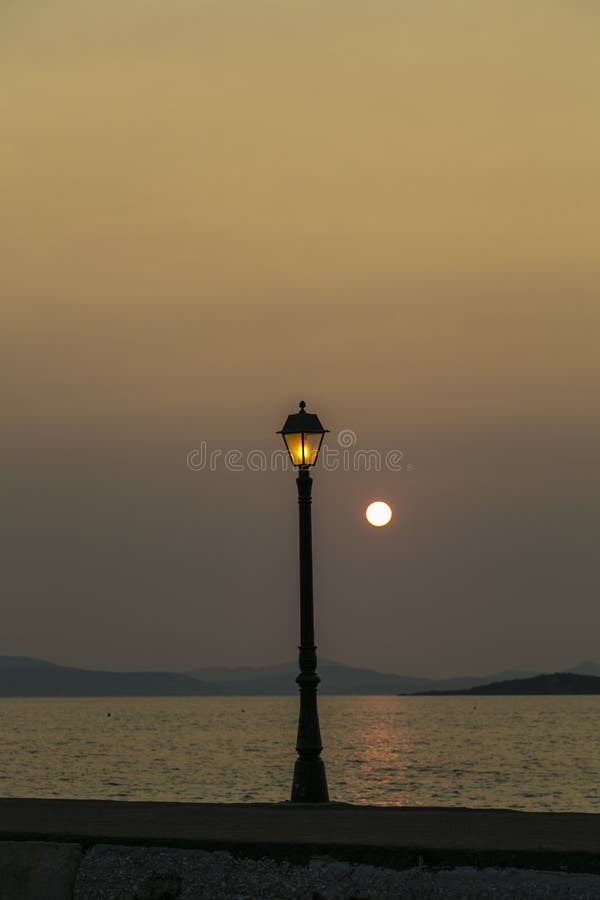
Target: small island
column 557, row 683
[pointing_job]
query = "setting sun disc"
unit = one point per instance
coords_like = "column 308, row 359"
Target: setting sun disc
column 378, row 513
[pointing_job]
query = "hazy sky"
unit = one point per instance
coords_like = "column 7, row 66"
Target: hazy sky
column 212, row 209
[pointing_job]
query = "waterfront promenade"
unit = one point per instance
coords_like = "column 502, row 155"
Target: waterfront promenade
column 396, row 838
column 394, row 835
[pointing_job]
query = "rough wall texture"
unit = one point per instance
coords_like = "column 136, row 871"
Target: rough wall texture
column 46, row 871
column 37, row 870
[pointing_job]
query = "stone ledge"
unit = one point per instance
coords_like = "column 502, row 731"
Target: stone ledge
column 383, row 837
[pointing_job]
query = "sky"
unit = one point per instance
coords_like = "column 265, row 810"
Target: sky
column 211, row 210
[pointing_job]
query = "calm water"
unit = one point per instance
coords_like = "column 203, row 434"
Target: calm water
column 524, row 753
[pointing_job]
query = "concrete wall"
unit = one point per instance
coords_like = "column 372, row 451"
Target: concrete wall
column 34, row 870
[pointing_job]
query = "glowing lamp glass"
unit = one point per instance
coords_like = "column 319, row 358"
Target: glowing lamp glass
column 303, row 435
column 303, row 447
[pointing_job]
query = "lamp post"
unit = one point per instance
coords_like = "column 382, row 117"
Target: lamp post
column 303, row 436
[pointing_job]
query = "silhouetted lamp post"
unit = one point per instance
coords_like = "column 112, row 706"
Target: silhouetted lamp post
column 303, row 436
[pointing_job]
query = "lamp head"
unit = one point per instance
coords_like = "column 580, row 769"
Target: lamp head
column 303, row 435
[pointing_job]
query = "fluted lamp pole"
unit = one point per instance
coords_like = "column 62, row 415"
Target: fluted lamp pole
column 303, row 436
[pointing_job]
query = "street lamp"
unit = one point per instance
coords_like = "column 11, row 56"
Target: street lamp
column 303, row 436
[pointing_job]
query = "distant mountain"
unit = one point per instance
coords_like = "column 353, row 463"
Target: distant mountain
column 215, row 674
column 585, row 668
column 22, row 676
column 22, row 662
column 25, row 680
column 557, row 683
column 280, row 679
column 336, row 678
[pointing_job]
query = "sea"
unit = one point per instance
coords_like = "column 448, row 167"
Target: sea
column 527, row 753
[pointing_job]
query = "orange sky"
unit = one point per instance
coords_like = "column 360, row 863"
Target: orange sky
column 211, row 209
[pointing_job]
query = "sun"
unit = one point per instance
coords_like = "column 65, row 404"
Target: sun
column 378, row 513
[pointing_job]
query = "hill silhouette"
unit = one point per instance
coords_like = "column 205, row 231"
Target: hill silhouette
column 556, row 683
column 22, row 676
column 23, row 662
column 23, row 679
column 336, row 678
